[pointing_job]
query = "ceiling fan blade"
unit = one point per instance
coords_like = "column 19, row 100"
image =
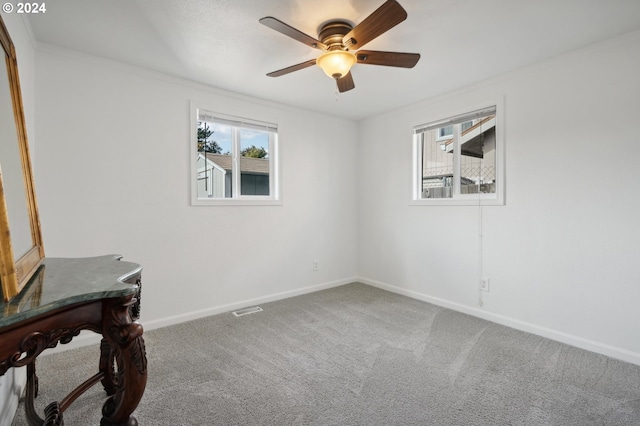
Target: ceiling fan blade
column 295, row 34
column 292, row 68
column 380, row 21
column 345, row 83
column 390, row 59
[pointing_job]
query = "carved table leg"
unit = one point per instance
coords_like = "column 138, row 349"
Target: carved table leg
column 53, row 413
column 126, row 363
column 109, row 382
column 30, row 395
column 107, row 359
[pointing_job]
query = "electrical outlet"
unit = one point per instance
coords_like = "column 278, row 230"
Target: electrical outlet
column 316, row 265
column 484, row 284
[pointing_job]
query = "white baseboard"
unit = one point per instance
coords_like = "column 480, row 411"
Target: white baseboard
column 569, row 339
column 189, row 316
column 87, row 338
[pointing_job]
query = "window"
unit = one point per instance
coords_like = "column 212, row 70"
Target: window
column 458, row 160
column 234, row 160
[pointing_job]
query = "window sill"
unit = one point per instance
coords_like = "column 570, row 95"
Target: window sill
column 457, row 202
column 235, row 202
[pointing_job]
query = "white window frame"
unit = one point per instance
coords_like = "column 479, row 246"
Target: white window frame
column 275, row 192
column 493, row 199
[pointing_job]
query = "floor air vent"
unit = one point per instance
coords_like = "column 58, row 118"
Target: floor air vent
column 247, row 311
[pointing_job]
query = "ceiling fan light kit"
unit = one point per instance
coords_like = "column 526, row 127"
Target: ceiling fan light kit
column 336, row 63
column 340, row 41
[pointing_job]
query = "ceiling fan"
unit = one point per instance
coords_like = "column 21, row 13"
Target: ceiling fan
column 340, row 42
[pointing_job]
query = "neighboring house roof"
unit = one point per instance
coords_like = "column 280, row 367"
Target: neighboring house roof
column 247, row 164
column 471, row 143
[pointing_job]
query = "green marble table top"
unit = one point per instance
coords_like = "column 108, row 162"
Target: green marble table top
column 61, row 282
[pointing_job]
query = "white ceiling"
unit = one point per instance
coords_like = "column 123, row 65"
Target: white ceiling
column 220, row 42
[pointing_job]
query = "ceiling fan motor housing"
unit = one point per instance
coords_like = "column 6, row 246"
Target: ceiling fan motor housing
column 332, row 33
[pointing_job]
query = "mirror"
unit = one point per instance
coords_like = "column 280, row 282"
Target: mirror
column 21, row 251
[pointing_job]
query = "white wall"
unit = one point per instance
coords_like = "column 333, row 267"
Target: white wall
column 112, row 176
column 563, row 253
column 13, row 382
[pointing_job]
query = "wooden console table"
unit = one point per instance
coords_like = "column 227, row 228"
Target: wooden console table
column 64, row 297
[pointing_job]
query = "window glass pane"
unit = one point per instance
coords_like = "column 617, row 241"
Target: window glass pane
column 437, row 163
column 478, row 157
column 214, row 165
column 235, row 162
column 254, row 162
column 445, row 132
column 457, row 160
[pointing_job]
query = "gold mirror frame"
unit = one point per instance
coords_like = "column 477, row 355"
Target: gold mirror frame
column 15, row 273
